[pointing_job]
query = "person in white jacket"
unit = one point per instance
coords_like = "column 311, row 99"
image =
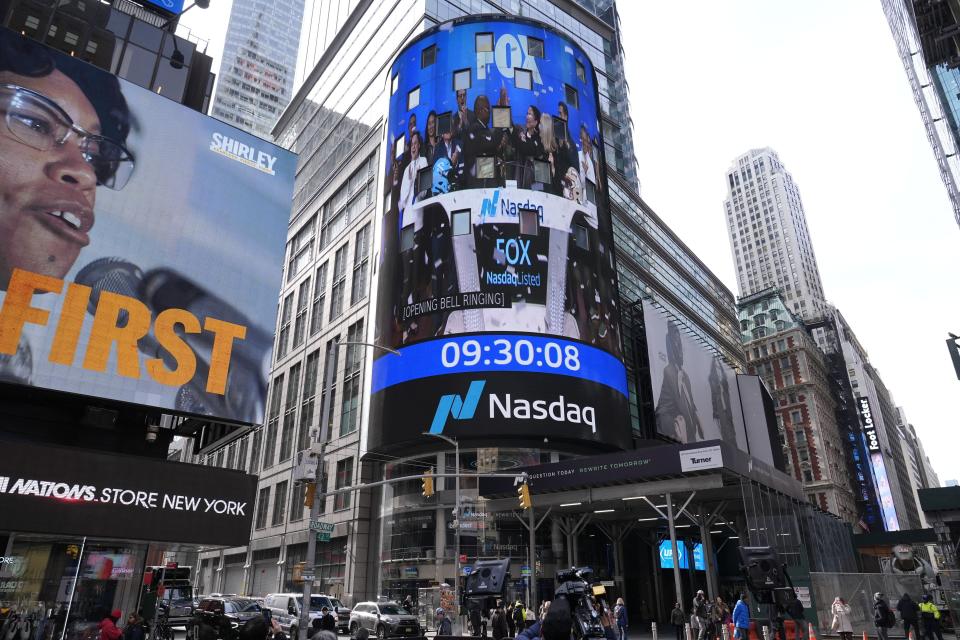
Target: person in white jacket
column 408, row 181
column 841, row 619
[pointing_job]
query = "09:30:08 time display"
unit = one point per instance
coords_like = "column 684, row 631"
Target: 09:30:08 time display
column 504, row 352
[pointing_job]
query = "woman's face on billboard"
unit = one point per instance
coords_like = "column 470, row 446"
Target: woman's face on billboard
column 46, row 197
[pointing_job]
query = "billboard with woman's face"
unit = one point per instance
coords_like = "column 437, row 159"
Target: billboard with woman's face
column 141, row 242
column 497, row 281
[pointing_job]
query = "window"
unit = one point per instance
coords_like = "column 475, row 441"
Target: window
column 263, row 499
column 582, row 73
column 279, row 504
column 303, row 306
column 290, row 412
column 241, row 463
column 534, row 47
column 573, row 98
column 394, row 84
column 428, row 56
column 461, row 80
column 413, row 98
column 284, row 333
column 255, row 452
column 273, row 420
column 296, row 501
column 350, row 405
column 785, row 363
column 319, row 297
column 484, row 42
column 331, row 352
column 309, row 396
column 361, row 256
column 344, row 479
column 339, row 280
column 796, row 417
column 523, row 78
column 461, row 222
column 301, row 250
column 788, row 379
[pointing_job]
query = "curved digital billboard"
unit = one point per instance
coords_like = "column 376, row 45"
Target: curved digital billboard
column 497, row 281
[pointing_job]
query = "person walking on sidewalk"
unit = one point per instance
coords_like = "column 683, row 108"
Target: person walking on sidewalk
column 701, row 615
column 741, row 618
column 498, row 621
column 620, row 613
column 909, row 613
column 841, row 618
column 678, row 618
column 883, row 617
column 930, row 616
column 444, row 626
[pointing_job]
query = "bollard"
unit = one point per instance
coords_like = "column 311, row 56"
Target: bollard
column 653, row 630
column 766, row 632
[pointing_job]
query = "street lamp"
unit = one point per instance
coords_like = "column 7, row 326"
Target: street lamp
column 311, row 558
column 456, row 511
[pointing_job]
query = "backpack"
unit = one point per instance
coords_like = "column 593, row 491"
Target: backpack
column 891, row 619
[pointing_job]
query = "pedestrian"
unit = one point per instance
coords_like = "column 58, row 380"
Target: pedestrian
column 741, row 618
column 498, row 621
column 678, row 618
column 909, row 614
column 701, row 615
column 475, row 619
column 620, row 614
column 529, row 617
column 327, row 621
column 718, row 614
column 930, row 617
column 444, row 626
column 795, row 611
column 108, row 626
column 134, row 629
column 883, row 617
column 408, row 603
column 314, row 628
column 511, row 625
column 841, row 618
column 518, row 617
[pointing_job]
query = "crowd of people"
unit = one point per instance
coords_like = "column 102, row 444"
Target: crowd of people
column 474, row 148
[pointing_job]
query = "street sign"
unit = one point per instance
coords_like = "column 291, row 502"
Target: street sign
column 463, row 558
column 525, row 571
column 319, row 525
column 467, row 571
column 323, row 536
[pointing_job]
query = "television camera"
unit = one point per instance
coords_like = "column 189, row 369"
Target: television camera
column 577, row 587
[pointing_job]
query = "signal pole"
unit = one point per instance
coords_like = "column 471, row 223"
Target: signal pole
column 456, row 517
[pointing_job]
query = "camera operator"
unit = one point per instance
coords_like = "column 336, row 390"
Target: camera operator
column 557, row 624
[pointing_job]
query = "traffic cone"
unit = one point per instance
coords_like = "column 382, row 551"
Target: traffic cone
column 810, row 634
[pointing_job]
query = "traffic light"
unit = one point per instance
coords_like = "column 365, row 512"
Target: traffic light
column 308, row 495
column 427, row 482
column 523, row 492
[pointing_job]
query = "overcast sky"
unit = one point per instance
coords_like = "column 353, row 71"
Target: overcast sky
column 820, row 82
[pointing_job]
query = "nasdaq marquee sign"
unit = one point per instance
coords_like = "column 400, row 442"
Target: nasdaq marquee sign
column 497, row 282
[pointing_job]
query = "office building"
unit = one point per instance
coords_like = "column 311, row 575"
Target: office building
column 335, row 123
column 259, row 60
column 781, row 350
column 126, row 39
column 926, row 34
column 769, row 239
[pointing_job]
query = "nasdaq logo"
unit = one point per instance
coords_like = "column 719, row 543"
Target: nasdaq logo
column 453, row 405
column 510, row 52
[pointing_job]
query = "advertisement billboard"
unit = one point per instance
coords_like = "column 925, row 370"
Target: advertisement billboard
column 70, row 491
column 695, row 392
column 141, row 242
column 497, row 281
column 666, row 555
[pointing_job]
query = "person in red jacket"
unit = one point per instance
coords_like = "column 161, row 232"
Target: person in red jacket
column 108, row 626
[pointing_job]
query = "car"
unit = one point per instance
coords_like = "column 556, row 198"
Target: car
column 226, row 614
column 285, row 609
column 384, row 620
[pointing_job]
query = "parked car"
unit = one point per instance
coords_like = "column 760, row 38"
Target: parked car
column 384, row 620
column 226, row 614
column 285, row 609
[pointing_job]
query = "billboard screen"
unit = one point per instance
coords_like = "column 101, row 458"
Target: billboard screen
column 497, row 281
column 141, row 242
column 666, row 555
column 695, row 392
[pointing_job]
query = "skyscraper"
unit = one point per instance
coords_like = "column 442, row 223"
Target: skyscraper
column 769, row 238
column 926, row 35
column 259, row 60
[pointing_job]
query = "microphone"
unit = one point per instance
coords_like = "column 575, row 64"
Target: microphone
column 161, row 289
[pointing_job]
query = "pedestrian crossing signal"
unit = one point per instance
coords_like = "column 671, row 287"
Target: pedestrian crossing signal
column 523, row 492
column 309, row 494
column 427, row 482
